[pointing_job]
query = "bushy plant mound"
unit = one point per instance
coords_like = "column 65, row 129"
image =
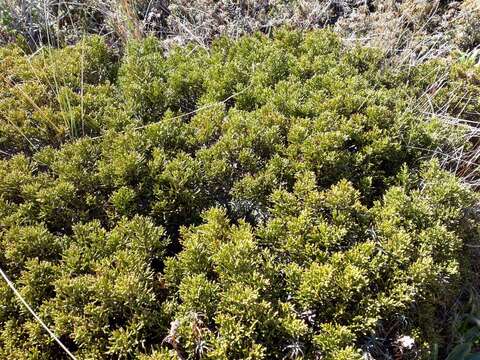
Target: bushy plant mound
column 264, row 199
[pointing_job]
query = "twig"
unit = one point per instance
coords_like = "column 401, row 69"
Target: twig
column 17, row 294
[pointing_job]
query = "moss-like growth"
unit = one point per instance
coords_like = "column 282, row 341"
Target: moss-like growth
column 265, row 199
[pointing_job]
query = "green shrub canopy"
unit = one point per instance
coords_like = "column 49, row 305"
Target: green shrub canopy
column 263, row 199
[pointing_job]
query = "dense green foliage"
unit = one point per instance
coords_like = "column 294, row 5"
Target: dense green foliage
column 264, row 199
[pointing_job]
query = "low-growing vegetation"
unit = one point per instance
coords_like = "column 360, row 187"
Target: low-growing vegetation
column 266, row 198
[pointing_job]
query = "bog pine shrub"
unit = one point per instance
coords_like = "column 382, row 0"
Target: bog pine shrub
column 263, row 199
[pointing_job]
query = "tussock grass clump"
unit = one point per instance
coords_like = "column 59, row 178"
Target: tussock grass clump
column 53, row 95
column 264, row 199
column 410, row 30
